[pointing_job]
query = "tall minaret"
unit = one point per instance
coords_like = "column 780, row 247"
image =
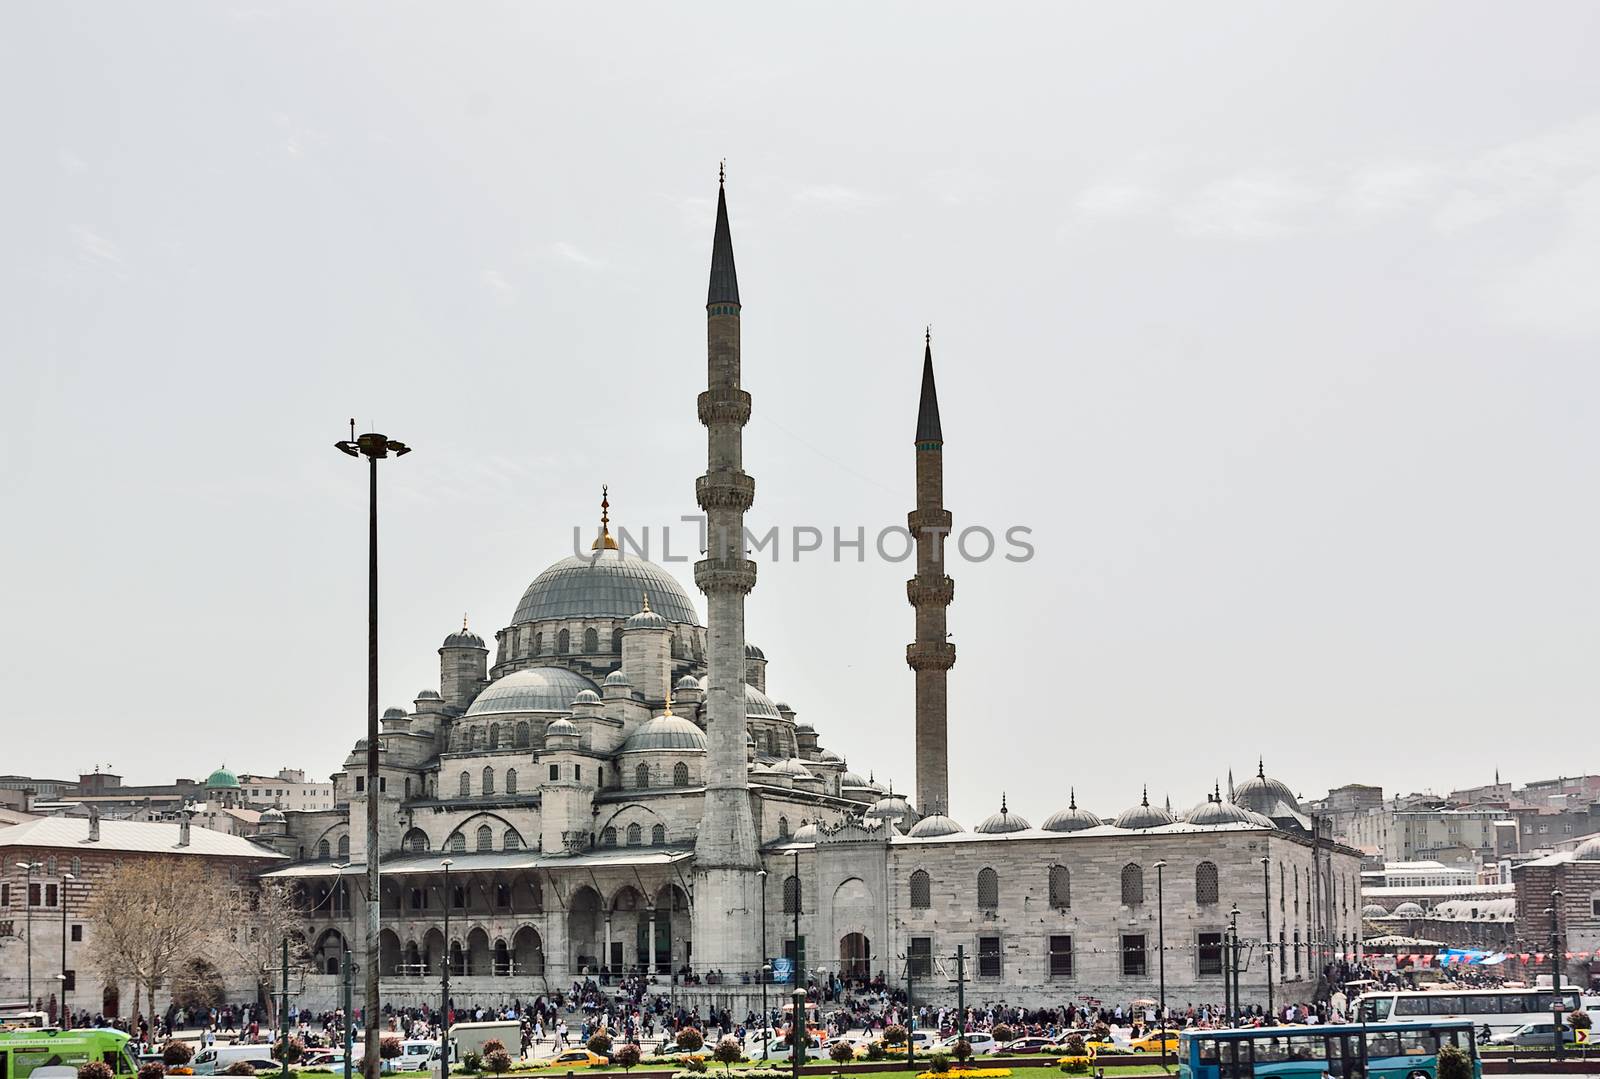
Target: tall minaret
column 930, row 592
column 727, row 892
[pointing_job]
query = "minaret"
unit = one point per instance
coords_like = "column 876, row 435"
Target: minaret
column 727, row 894
column 930, row 592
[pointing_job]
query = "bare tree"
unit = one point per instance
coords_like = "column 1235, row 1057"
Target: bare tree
column 261, row 917
column 151, row 916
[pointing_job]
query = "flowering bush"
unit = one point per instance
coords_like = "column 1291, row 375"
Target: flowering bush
column 1579, row 1020
column 691, row 1040
column 152, row 1070
column 841, row 1051
column 1003, row 1033
column 626, row 1055
column 600, row 1043
column 729, row 1052
column 238, row 1067
column 497, row 1060
column 288, row 1051
column 969, row 1073
column 390, row 1046
column 175, row 1053
column 96, row 1069
column 895, row 1034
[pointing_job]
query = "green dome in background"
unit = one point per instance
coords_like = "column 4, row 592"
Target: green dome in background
column 222, row 779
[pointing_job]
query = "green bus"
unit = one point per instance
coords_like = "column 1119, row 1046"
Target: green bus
column 22, row 1051
column 1370, row 1051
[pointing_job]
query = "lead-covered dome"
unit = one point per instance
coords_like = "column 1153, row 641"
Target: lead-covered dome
column 532, row 689
column 1588, row 850
column 1266, row 795
column 1374, row 910
column 666, row 732
column 1214, row 811
column 1143, row 815
column 757, row 703
column 1072, row 818
column 607, row 584
column 935, row 826
column 1409, row 910
column 1002, row 822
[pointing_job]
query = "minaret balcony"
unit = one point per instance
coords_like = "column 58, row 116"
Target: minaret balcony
column 725, row 575
column 725, row 490
column 932, row 524
column 725, row 404
column 930, row 655
column 930, row 591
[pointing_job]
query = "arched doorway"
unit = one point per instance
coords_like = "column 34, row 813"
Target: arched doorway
column 478, row 952
column 583, row 929
column 855, row 956
column 527, row 952
column 502, row 958
column 388, row 954
column 433, row 951
column 109, row 1000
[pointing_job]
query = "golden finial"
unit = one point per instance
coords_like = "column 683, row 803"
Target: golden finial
column 669, row 694
column 646, row 597
column 604, row 542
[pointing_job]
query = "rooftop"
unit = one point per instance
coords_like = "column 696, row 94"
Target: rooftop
column 142, row 837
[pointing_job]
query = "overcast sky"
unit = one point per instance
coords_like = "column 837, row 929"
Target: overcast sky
column 1275, row 323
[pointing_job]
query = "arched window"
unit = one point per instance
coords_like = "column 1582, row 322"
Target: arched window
column 608, row 838
column 494, row 736
column 921, row 890
column 680, row 774
column 511, row 781
column 1205, row 883
column 563, row 642
column 466, row 784
column 988, row 889
column 616, row 640
column 458, row 843
column 512, row 840
column 344, row 848
column 77, row 866
column 783, row 827
column 324, row 851
column 591, row 640
column 485, row 837
column 772, row 742
column 520, row 739
column 791, row 895
column 658, row 836
column 641, row 776
column 1132, row 885
column 538, row 644
column 417, row 841
column 488, row 780
column 1060, row 887
column 635, row 835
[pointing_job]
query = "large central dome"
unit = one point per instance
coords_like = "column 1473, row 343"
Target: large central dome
column 607, row 584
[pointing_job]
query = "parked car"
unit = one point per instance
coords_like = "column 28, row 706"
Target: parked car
column 574, row 1058
column 980, row 1040
column 1026, row 1046
column 415, row 1056
column 1152, row 1042
column 1535, row 1035
column 214, row 1059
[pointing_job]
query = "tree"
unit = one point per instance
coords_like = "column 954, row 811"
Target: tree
column 96, row 1069
column 600, row 1043
column 152, row 1069
column 1003, row 1033
column 288, row 1050
column 729, row 1052
column 1453, row 1063
column 690, row 1040
column 497, row 1060
column 175, row 1054
column 488, row 1047
column 1579, row 1020
column 963, row 1050
column 627, row 1055
column 895, row 1034
column 841, row 1051
column 260, row 916
column 151, row 916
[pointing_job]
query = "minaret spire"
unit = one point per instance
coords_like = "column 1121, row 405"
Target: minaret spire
column 726, row 858
column 931, row 655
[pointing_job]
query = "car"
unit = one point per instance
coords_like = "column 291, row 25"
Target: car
column 980, row 1040
column 1153, row 1042
column 1541, row 1034
column 1026, row 1046
column 574, row 1058
column 415, row 1055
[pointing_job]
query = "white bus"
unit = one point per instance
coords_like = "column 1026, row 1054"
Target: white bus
column 1498, row 1009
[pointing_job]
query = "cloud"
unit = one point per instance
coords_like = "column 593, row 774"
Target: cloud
column 96, row 249
column 1117, row 201
column 496, row 282
column 1387, row 187
column 568, row 252
column 1250, row 204
column 1554, row 292
column 836, row 196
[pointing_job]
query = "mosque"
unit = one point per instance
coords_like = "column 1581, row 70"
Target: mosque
column 617, row 792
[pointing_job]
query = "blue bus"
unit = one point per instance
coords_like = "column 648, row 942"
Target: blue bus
column 1371, row 1051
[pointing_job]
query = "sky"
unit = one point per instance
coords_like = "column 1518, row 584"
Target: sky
column 1274, row 324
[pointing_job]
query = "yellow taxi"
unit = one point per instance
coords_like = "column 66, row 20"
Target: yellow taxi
column 1152, row 1042
column 574, row 1058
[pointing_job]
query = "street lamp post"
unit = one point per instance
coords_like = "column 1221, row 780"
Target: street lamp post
column 346, row 972
column 766, row 966
column 63, row 998
column 797, row 1025
column 1233, row 934
column 1555, row 969
column 373, row 447
column 1266, row 905
column 1161, row 954
column 444, row 997
column 31, row 868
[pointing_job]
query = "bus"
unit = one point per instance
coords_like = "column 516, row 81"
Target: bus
column 21, row 1051
column 1500, row 1010
column 1387, row 1051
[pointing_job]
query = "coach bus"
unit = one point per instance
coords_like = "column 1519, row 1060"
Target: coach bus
column 1390, row 1051
column 1498, row 1009
column 21, row 1051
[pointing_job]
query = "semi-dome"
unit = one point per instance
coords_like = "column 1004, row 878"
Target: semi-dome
column 394, row 713
column 586, row 696
column 272, row 816
column 1143, row 815
column 666, row 732
column 617, row 678
column 606, row 584
column 757, row 703
column 1072, row 818
column 1002, row 822
column 222, row 779
column 1374, row 910
column 752, row 652
column 1409, row 910
column 1588, row 850
column 532, row 689
column 853, row 779
column 935, row 826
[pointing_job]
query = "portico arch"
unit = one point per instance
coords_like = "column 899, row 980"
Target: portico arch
column 527, row 952
column 583, row 929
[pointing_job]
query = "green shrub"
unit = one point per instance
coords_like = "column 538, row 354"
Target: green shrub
column 626, row 1055
column 1454, row 1063
column 497, row 1060
column 95, row 1069
column 288, row 1050
column 875, row 1051
column 1003, row 1033
column 698, row 1067
column 939, row 1062
column 600, row 1043
column 238, row 1067
column 175, row 1054
column 471, row 1062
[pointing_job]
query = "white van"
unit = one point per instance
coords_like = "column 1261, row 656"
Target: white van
column 415, row 1056
column 214, row 1059
column 469, row 1038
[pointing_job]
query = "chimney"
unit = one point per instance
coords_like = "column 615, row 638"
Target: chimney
column 94, row 824
column 183, row 830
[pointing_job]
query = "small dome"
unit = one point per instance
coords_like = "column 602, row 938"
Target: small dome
column 1214, row 811
column 222, row 779
column 1409, row 910
column 463, row 638
column 688, row 681
column 806, row 833
column 1588, row 850
column 752, row 652
column 646, row 619
column 1002, row 822
column 935, row 826
column 801, row 728
column 616, row 678
column 794, row 766
column 272, row 816
column 394, row 713
column 1374, row 910
column 558, row 727
column 891, row 807
column 1143, row 815
column 1072, row 818
column 828, row 756
column 852, row 779
column 758, row 704
column 586, row 696
column 666, row 732
column 429, row 695
column 783, row 706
